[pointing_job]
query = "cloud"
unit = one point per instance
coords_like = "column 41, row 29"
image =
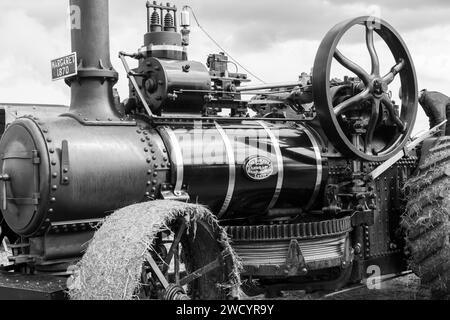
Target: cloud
column 276, row 40
column 27, row 47
column 250, row 25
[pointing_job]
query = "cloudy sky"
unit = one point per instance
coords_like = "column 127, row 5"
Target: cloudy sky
column 276, row 40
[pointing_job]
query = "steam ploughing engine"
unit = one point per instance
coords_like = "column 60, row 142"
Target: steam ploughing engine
column 307, row 199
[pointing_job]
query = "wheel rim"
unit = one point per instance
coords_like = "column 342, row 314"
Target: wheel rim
column 374, row 89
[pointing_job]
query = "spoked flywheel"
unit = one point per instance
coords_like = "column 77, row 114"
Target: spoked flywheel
column 365, row 123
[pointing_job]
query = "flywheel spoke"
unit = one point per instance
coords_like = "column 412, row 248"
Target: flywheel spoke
column 394, row 71
column 344, row 106
column 372, row 125
column 372, row 51
column 390, row 107
column 352, row 66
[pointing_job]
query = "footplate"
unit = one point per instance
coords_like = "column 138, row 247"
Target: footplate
column 14, row 286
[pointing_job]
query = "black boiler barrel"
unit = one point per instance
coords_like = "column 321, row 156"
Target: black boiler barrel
column 247, row 167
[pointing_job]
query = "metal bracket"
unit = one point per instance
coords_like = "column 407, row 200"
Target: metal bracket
column 295, row 261
column 175, row 195
column 65, row 164
column 360, row 218
column 4, row 178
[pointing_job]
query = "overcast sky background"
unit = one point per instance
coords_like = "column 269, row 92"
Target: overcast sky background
column 277, row 40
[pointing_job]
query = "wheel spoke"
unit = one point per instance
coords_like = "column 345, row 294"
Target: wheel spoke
column 388, row 78
column 177, row 264
column 372, row 125
column 372, row 51
column 157, row 271
column 174, row 246
column 344, row 106
column 205, row 269
column 144, row 281
column 390, row 107
column 350, row 65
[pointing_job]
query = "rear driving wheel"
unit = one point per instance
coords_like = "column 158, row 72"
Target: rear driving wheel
column 427, row 223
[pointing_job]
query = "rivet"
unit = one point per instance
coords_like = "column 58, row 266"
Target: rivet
column 149, row 172
column 147, row 194
column 154, row 157
column 164, row 150
column 53, row 163
column 143, row 139
column 52, row 150
column 55, row 187
column 145, row 133
column 155, row 182
column 156, row 165
column 45, row 131
column 153, row 150
column 66, row 179
column 149, row 183
column 53, row 200
column 49, row 140
column 163, row 165
column 146, row 149
column 142, row 128
column 155, row 174
column 147, row 138
column 153, row 189
column 165, row 158
column 65, row 170
column 55, row 175
column 149, row 160
column 168, row 165
column 50, row 210
column 150, row 144
column 86, row 119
